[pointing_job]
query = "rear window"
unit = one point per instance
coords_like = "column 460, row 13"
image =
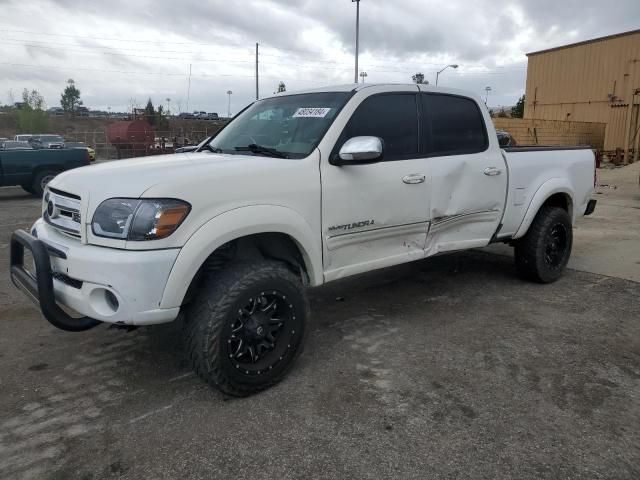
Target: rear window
column 452, row 125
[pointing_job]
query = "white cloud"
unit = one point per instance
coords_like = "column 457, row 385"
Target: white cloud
column 120, row 50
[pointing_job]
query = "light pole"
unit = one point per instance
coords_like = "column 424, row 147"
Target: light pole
column 448, row 66
column 168, row 106
column 486, row 98
column 363, row 75
column 357, row 37
column 229, row 92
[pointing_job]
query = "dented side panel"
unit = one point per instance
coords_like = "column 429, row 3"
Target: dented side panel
column 467, row 200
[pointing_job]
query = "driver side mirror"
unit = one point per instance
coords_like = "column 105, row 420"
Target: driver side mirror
column 360, row 150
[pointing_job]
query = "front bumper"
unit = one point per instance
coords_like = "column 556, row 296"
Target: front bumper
column 101, row 284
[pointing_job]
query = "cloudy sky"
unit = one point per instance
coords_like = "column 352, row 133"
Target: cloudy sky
column 121, row 52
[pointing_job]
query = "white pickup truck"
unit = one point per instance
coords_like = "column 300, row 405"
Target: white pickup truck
column 298, row 190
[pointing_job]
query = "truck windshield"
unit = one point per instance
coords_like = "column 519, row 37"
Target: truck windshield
column 289, row 126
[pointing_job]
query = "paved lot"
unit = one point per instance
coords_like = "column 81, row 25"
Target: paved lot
column 448, row 368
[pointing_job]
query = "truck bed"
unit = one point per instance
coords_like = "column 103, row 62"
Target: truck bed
column 545, row 169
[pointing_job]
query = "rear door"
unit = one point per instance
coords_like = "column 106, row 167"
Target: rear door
column 468, row 171
column 376, row 215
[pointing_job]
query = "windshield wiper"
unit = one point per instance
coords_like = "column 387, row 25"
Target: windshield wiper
column 254, row 148
column 212, row 149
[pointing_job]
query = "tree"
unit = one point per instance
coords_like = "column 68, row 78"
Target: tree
column 156, row 117
column 161, row 121
column 32, row 117
column 70, row 99
column 282, row 87
column 502, row 113
column 150, row 113
column 419, row 79
column 518, row 110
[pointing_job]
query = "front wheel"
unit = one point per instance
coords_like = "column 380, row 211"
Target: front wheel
column 543, row 253
column 246, row 326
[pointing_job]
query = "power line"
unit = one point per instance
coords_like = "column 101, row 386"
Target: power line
column 309, row 64
column 166, row 74
column 112, row 39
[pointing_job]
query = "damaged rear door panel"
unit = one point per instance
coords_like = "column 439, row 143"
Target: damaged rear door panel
column 469, row 178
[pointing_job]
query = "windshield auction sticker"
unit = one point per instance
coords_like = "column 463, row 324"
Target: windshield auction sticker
column 311, row 112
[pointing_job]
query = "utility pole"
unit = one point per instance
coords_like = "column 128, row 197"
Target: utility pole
column 257, row 91
column 357, row 37
column 189, row 88
column 486, row 98
column 229, row 92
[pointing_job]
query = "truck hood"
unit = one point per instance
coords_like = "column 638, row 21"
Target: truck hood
column 211, row 183
column 133, row 177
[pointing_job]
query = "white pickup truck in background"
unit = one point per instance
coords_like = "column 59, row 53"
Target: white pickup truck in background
column 298, row 190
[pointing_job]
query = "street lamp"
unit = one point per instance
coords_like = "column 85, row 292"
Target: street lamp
column 357, row 37
column 168, row 106
column 486, row 98
column 448, row 66
column 229, row 92
column 363, row 75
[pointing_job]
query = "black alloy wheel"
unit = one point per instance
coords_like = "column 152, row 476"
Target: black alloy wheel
column 262, row 333
column 556, row 246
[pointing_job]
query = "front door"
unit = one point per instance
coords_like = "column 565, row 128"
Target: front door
column 376, row 215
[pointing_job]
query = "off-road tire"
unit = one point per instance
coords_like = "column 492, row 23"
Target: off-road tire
column 37, row 185
column 532, row 250
column 213, row 311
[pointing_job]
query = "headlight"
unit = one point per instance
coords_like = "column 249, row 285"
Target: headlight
column 131, row 219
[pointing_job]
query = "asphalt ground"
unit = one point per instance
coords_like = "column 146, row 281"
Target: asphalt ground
column 446, row 368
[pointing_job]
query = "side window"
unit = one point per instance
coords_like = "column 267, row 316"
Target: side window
column 453, row 126
column 392, row 117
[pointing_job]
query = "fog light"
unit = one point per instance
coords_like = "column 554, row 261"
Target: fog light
column 104, row 301
column 112, row 301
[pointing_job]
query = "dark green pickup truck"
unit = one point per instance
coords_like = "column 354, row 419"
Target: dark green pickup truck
column 32, row 169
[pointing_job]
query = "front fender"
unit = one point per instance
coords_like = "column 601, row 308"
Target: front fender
column 235, row 224
column 546, row 190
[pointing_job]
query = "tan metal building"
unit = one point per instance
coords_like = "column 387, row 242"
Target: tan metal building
column 593, row 81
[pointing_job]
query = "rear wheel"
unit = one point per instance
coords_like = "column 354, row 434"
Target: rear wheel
column 246, row 326
column 543, row 253
column 41, row 180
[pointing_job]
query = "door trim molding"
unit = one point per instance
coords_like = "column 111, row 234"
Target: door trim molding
column 345, row 239
column 441, row 223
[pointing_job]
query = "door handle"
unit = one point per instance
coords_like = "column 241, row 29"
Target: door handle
column 492, row 171
column 413, row 178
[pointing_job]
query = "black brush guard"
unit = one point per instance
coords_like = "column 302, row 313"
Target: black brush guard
column 40, row 287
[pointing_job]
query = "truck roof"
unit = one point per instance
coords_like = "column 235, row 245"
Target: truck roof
column 354, row 87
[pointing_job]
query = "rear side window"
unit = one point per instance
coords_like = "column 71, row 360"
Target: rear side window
column 452, row 125
column 393, row 118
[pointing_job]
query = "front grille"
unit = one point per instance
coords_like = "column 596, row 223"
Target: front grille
column 62, row 211
column 72, row 282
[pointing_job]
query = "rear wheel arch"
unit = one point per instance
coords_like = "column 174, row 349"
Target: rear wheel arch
column 553, row 193
column 561, row 200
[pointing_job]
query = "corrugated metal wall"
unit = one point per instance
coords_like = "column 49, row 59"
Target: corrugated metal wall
column 591, row 82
